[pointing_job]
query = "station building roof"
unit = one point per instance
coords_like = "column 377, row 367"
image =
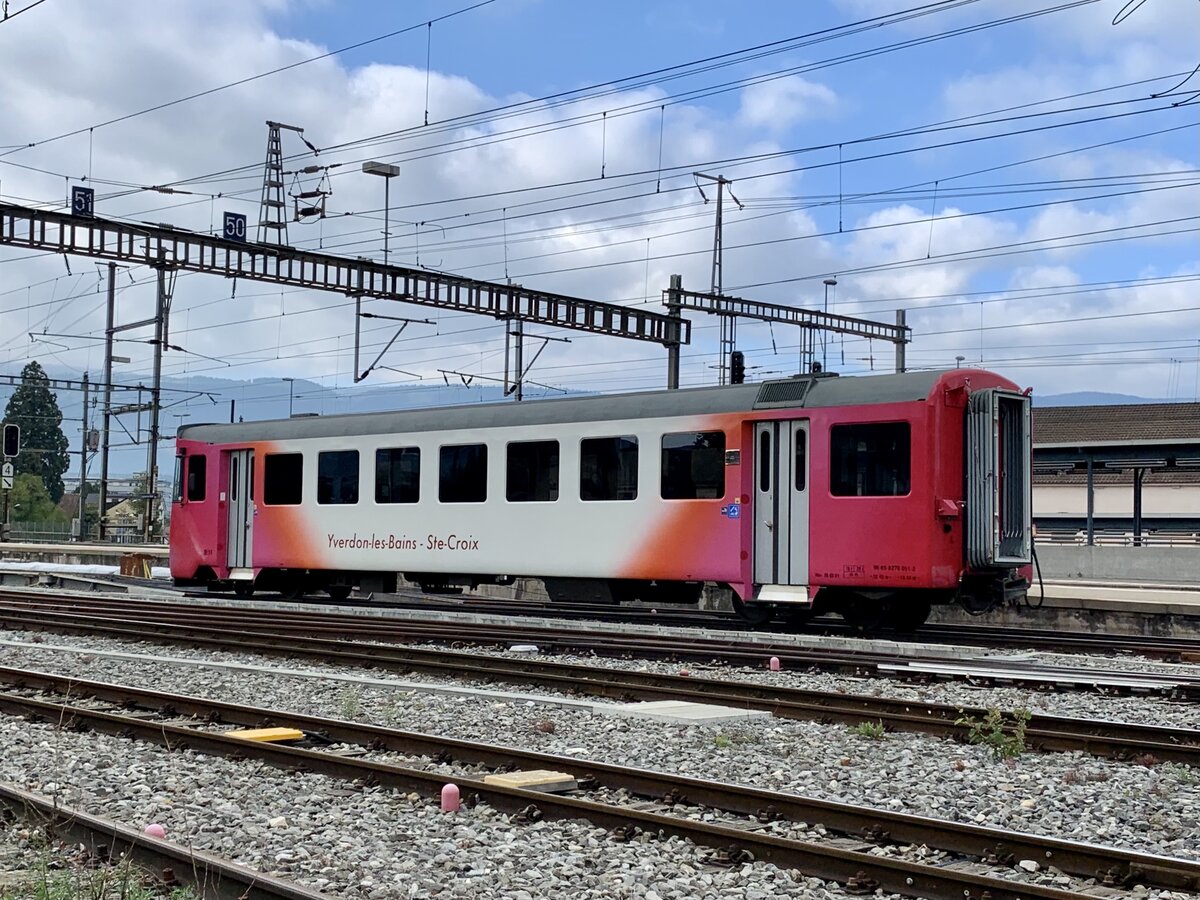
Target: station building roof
column 1122, row 423
column 1162, row 439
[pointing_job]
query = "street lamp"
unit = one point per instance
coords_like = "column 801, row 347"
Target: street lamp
column 387, row 172
column 958, row 361
column 829, row 282
column 291, row 387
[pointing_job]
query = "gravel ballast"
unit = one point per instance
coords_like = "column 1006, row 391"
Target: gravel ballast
column 1154, row 808
column 360, row 841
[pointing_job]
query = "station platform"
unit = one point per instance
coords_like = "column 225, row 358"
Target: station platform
column 1113, row 608
column 79, row 553
column 142, row 561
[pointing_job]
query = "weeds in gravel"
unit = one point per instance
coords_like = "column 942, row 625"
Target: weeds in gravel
column 351, row 703
column 118, row 882
column 724, row 739
column 873, row 731
column 1182, row 774
column 1003, row 734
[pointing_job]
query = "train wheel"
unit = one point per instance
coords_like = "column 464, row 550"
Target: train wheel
column 752, row 613
column 799, row 616
column 243, row 588
column 907, row 615
column 338, row 592
column 865, row 615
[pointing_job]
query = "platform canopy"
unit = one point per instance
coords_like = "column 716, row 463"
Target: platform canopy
column 1098, row 441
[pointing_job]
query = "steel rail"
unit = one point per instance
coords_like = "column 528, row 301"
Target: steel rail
column 874, row 825
column 701, row 649
column 215, row 878
column 1043, row 732
column 822, row 860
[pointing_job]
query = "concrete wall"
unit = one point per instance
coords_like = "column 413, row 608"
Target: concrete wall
column 1158, row 500
column 1154, row 565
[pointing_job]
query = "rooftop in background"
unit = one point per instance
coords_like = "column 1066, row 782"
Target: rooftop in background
column 1120, row 424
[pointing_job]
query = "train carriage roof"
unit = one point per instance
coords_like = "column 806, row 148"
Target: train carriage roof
column 799, row 393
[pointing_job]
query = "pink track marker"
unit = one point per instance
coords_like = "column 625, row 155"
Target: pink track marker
column 774, row 664
column 450, row 798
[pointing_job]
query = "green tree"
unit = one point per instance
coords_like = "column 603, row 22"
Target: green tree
column 43, row 445
column 31, row 502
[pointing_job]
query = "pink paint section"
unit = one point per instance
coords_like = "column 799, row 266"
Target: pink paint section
column 912, row 541
column 195, row 541
column 691, row 540
column 283, row 538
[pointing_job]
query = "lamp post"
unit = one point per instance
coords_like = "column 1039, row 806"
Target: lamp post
column 291, row 387
column 829, row 282
column 958, row 361
column 387, row 172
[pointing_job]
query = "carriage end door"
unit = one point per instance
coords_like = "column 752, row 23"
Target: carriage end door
column 781, row 503
column 240, row 543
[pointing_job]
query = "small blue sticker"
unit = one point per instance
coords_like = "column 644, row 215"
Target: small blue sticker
column 732, row 511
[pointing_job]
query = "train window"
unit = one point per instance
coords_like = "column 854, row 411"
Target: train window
column 282, row 474
column 693, row 465
column 398, row 475
column 801, row 440
column 608, row 468
column 764, row 461
column 337, row 477
column 870, row 460
column 177, row 491
column 463, row 474
column 532, row 471
column 197, row 477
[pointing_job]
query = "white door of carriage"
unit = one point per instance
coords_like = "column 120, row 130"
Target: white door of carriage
column 781, row 510
column 240, row 540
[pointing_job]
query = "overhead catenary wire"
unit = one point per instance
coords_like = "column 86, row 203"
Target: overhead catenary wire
column 611, row 176
column 467, row 118
column 250, row 78
column 24, row 9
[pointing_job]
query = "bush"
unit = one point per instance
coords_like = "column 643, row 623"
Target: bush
column 871, row 730
column 1003, row 734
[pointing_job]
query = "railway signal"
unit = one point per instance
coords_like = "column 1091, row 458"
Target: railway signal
column 737, row 367
column 12, row 439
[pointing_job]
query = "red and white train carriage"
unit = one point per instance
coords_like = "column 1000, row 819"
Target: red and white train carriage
column 873, row 496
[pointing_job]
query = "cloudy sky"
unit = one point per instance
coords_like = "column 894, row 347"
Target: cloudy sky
column 1021, row 176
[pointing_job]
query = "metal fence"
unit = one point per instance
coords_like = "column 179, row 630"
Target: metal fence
column 63, row 533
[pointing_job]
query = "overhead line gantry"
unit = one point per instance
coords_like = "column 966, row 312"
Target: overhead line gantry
column 169, row 250
column 161, row 246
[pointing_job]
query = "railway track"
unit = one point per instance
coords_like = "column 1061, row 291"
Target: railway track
column 197, row 723
column 1170, row 649
column 25, row 610
column 982, row 635
column 1042, row 732
column 105, row 839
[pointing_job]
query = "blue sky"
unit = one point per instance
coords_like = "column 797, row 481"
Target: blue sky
column 1053, row 267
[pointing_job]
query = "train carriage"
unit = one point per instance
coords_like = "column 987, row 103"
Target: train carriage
column 872, row 496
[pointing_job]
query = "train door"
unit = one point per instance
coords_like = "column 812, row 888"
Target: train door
column 240, row 543
column 781, row 508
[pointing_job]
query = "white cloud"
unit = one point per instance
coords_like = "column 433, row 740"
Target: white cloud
column 780, row 103
column 1033, row 277
column 597, row 251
